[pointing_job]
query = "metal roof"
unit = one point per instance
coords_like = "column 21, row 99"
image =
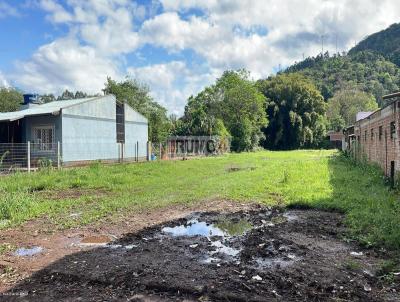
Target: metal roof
column 48, row 108
column 390, row 96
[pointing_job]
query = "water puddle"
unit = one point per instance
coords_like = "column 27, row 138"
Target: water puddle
column 27, row 252
column 223, row 228
column 194, row 228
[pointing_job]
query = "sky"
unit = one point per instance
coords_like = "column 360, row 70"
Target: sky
column 176, row 47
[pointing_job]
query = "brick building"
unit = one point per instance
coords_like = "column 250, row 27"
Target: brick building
column 376, row 137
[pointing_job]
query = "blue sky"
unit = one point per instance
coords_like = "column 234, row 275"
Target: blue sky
column 176, row 47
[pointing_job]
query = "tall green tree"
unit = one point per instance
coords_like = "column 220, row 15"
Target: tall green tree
column 296, row 112
column 138, row 97
column 232, row 106
column 10, row 99
column 344, row 105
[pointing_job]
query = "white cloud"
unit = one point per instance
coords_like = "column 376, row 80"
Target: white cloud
column 64, row 64
column 7, row 10
column 172, row 83
column 3, row 81
column 258, row 35
column 287, row 22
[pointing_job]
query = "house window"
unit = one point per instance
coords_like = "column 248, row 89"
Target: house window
column 380, row 132
column 392, row 129
column 372, row 134
column 43, row 138
column 365, row 136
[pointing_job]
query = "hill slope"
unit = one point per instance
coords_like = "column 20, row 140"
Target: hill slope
column 385, row 42
column 370, row 65
column 369, row 71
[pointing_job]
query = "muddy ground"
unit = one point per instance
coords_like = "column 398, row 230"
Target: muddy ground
column 253, row 254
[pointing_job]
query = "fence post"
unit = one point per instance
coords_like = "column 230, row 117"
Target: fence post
column 29, row 156
column 119, row 152
column 148, row 151
column 122, row 152
column 58, row 155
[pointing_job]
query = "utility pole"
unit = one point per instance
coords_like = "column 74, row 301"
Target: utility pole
column 336, row 43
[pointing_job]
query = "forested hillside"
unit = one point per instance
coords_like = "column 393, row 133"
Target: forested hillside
column 385, row 42
column 365, row 70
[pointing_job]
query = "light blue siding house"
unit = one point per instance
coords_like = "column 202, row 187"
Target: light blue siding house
column 97, row 128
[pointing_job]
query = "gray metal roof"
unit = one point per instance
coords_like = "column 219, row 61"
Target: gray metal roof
column 48, row 108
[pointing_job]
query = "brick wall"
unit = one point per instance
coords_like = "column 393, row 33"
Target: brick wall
column 378, row 137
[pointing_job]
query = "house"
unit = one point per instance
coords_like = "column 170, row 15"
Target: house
column 96, row 128
column 336, row 139
column 376, row 136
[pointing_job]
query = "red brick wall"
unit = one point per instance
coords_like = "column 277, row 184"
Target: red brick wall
column 385, row 148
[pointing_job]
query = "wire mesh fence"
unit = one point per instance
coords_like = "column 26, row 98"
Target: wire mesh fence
column 28, row 156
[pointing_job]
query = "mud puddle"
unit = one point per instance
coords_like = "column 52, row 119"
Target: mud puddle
column 255, row 255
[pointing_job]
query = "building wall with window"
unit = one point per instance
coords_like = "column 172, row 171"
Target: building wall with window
column 377, row 137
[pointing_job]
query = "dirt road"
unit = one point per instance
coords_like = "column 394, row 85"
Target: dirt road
column 214, row 252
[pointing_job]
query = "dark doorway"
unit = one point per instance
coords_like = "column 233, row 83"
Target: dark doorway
column 11, row 132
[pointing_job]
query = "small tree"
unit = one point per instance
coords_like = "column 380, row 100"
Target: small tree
column 345, row 104
column 10, row 99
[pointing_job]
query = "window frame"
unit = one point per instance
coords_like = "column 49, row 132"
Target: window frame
column 380, row 132
column 372, row 134
column 40, row 146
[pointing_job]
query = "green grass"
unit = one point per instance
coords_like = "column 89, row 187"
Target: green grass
column 296, row 178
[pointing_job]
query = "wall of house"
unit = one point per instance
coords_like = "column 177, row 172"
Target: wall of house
column 89, row 131
column 136, row 133
column 30, row 122
column 385, row 148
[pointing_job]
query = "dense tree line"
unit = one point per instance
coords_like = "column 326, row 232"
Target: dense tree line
column 296, row 112
column 293, row 109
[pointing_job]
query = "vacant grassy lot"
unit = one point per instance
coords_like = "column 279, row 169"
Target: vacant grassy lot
column 296, row 178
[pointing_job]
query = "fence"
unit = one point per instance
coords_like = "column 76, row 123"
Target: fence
column 28, row 156
column 189, row 146
column 33, row 156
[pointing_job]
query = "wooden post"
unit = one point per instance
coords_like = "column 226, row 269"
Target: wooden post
column 29, row 156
